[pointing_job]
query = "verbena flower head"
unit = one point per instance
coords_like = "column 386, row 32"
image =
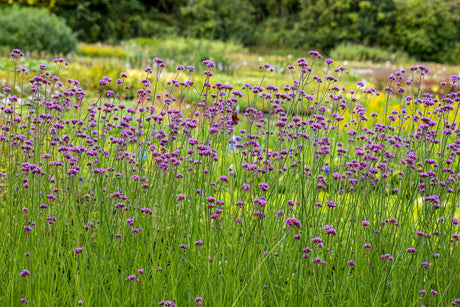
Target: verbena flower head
column 291, row 221
column 387, row 256
column 16, row 53
column 24, row 273
column 316, row 240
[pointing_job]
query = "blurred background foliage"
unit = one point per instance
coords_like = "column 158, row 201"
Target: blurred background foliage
column 33, row 29
column 357, row 30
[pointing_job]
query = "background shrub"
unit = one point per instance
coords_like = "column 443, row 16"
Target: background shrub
column 355, row 52
column 103, row 51
column 429, row 30
column 188, row 51
column 35, row 29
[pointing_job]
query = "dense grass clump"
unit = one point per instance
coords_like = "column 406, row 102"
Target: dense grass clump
column 173, row 201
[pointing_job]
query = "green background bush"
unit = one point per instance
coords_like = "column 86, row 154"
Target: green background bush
column 354, row 52
column 33, row 29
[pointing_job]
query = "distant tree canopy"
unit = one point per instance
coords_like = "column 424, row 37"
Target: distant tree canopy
column 426, row 30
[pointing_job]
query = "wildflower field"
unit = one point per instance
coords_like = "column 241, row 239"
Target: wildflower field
column 181, row 189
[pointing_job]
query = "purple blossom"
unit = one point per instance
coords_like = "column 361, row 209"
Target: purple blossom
column 263, row 186
column 387, row 256
column 329, row 230
column 316, row 240
column 318, row 261
column 291, row 221
column 24, row 273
